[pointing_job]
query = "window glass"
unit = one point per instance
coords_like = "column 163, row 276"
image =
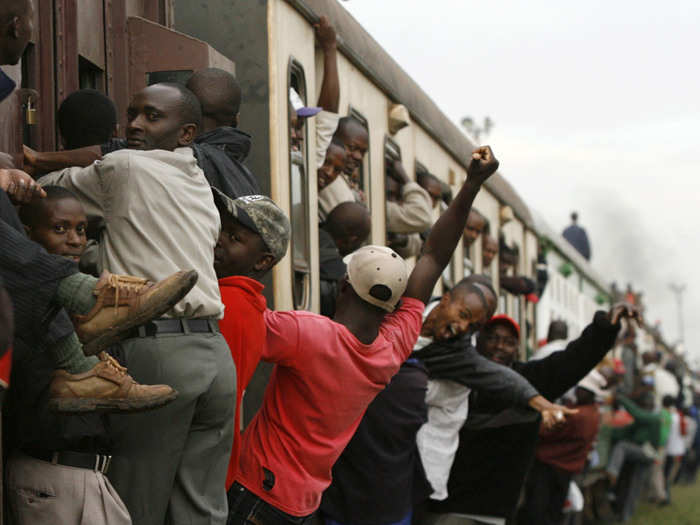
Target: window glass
column 299, row 201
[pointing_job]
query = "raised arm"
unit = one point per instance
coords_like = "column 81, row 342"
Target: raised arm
column 448, row 229
column 329, row 98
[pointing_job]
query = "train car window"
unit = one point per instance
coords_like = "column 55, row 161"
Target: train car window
column 298, row 190
column 89, row 75
column 364, row 180
column 178, row 76
column 392, row 153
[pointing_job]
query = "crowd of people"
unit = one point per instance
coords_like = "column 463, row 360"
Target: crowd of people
column 133, row 314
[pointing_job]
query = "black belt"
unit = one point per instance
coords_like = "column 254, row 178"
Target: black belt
column 175, row 326
column 96, row 462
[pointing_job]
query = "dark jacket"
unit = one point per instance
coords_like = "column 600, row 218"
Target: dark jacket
column 376, row 476
column 28, row 423
column 220, row 153
column 497, row 445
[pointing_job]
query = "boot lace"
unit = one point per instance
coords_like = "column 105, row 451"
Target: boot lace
column 113, row 364
column 127, row 285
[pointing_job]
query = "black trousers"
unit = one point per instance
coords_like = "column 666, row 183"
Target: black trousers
column 545, row 494
column 245, row 508
column 31, row 276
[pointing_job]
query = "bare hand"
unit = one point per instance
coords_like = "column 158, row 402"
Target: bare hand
column 482, row 165
column 20, row 187
column 6, row 161
column 325, row 33
column 624, row 311
column 552, row 414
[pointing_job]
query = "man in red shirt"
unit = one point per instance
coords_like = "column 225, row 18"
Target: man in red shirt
column 328, row 371
column 254, row 237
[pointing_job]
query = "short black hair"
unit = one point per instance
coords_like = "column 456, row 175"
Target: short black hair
column 344, row 125
column 557, row 330
column 474, row 284
column 668, row 401
column 189, row 107
column 216, row 87
column 86, row 118
column 29, row 213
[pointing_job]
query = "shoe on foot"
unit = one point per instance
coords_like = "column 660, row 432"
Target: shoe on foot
column 124, row 302
column 107, row 387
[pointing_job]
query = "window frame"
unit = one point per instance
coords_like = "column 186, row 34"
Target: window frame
column 296, row 70
column 366, row 175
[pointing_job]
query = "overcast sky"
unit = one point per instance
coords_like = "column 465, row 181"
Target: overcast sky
column 596, row 108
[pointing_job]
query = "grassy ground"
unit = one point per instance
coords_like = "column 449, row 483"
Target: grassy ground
column 685, row 509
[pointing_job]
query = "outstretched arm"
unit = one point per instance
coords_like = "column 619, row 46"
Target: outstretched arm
column 39, row 163
column 329, row 98
column 446, row 232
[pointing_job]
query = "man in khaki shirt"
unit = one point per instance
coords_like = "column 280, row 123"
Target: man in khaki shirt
column 159, row 214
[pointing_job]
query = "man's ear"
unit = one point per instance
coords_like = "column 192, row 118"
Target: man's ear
column 13, row 27
column 265, row 262
column 188, row 132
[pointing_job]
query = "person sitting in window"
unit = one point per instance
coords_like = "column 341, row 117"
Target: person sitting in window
column 344, row 231
column 475, row 225
column 408, row 209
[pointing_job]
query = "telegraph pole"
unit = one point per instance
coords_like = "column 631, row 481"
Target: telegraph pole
column 678, row 290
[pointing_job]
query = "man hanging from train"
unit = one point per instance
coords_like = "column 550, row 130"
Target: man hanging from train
column 44, row 288
column 308, row 415
column 159, row 214
column 219, row 148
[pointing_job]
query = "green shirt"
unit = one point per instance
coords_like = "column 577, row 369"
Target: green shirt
column 665, row 427
column 646, row 427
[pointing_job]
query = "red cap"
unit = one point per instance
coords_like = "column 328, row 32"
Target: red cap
column 502, row 318
column 619, row 366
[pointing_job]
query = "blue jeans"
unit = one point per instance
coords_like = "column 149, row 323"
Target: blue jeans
column 246, row 508
column 405, row 521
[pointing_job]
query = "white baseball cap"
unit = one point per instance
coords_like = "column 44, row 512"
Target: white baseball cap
column 378, row 275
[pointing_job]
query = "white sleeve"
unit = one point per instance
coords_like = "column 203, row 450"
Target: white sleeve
column 326, row 124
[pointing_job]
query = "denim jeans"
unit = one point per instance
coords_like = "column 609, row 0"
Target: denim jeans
column 246, row 508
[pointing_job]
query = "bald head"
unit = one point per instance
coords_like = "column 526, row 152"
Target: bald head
column 220, row 96
column 349, row 224
column 16, row 28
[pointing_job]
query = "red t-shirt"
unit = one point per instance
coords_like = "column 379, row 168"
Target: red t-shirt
column 323, row 382
column 243, row 327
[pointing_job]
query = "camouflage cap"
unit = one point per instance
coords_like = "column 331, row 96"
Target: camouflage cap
column 260, row 214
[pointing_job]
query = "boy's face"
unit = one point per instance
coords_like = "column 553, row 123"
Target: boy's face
column 240, row 251
column 61, row 228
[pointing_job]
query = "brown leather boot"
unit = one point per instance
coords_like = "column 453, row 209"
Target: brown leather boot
column 124, row 302
column 105, row 388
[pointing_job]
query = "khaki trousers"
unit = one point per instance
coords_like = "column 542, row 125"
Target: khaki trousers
column 169, row 465
column 41, row 492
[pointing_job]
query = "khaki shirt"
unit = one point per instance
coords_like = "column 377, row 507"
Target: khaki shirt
column 414, row 214
column 159, row 216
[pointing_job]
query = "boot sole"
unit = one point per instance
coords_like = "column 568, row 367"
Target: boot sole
column 117, row 333
column 80, row 405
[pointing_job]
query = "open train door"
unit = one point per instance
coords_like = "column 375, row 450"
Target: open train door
column 158, row 54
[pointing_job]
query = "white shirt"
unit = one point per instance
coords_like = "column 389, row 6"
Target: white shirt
column 159, row 218
column 675, row 445
column 438, row 439
column 548, row 349
column 326, row 124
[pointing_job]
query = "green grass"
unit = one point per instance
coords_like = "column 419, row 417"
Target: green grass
column 684, row 509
